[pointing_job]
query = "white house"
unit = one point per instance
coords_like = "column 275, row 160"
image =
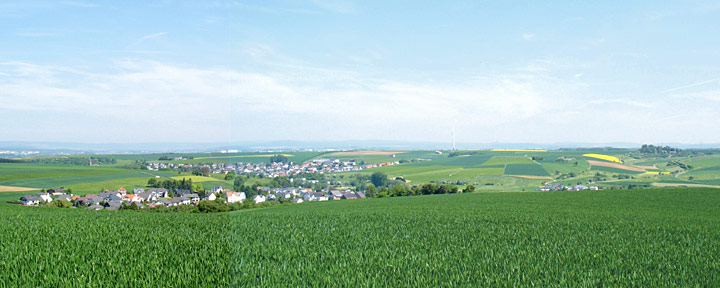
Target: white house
column 30, row 200
column 210, row 197
column 45, row 197
column 297, row 200
column 233, row 197
column 259, row 199
column 217, row 189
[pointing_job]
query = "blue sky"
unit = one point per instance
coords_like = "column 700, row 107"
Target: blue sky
column 505, row 71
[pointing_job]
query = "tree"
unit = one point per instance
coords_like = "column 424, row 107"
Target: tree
column 230, row 175
column 378, row 179
column 469, row 188
column 152, row 182
column 279, row 158
column 398, row 190
column 60, row 203
column 205, row 171
column 371, row 191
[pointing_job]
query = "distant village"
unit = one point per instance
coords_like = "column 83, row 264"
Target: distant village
column 155, row 197
column 275, row 169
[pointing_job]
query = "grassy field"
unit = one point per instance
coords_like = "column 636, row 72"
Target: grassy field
column 525, row 169
column 647, row 238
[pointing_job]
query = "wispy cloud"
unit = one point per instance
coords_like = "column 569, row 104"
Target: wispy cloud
column 623, row 102
column 340, row 6
column 528, row 36
column 147, row 37
column 301, row 94
column 717, row 80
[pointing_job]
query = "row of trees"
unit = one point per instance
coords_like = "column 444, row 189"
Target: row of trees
column 427, row 189
column 173, row 185
column 652, row 149
column 279, row 158
column 75, row 160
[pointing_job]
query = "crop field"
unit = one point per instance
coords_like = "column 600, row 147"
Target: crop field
column 604, row 157
column 466, row 161
column 616, row 170
column 504, row 160
column 648, row 238
column 525, row 169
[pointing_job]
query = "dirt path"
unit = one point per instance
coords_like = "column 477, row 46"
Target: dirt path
column 615, row 165
column 377, row 153
column 16, row 189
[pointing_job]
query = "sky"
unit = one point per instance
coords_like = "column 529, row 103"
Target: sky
column 320, row 70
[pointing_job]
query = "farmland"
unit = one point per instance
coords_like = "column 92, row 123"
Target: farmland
column 647, row 238
column 488, row 170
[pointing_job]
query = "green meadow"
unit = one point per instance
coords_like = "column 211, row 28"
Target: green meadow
column 648, row 238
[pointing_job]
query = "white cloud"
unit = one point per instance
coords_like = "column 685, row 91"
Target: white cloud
column 146, row 37
column 153, row 101
column 528, row 36
column 340, row 7
column 143, row 93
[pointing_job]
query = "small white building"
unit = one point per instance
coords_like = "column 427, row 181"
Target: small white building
column 233, row 197
column 45, row 197
column 210, row 197
column 259, row 199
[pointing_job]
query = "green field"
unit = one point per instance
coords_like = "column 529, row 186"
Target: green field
column 647, row 238
column 525, row 169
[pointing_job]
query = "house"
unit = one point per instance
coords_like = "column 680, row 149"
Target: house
column 182, row 192
column 297, row 200
column 147, row 196
column 315, row 197
column 30, row 200
column 284, row 195
column 232, row 197
column 95, row 207
column 166, row 202
column 137, row 191
column 360, row 194
column 349, row 195
column 271, row 197
column 259, row 199
column 112, row 205
column 56, row 191
column 111, row 198
column 64, row 197
column 210, row 197
column 122, row 191
column 128, row 197
column 580, row 187
column 181, row 200
column 159, row 192
column 45, row 197
column 217, row 189
column 337, row 194
column 194, row 197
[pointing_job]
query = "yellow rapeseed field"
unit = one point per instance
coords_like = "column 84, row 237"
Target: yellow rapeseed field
column 604, row 157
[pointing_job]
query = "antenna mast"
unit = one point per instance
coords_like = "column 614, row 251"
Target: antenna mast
column 453, row 138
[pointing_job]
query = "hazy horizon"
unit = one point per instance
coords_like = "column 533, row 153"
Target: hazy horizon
column 252, row 71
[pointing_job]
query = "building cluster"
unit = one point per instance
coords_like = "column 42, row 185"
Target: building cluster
column 561, row 187
column 154, row 197
column 272, row 170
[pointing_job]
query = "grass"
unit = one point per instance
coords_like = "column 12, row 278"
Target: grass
column 525, row 169
column 504, row 160
column 648, row 238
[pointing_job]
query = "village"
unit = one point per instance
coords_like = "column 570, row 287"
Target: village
column 274, row 169
column 156, row 197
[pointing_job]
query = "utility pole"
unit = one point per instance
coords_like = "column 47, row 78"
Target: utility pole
column 453, row 138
